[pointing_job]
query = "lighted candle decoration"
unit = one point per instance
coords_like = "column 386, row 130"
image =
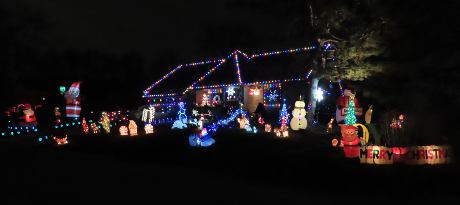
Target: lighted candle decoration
column 132, row 128
column 148, row 129
column 123, row 130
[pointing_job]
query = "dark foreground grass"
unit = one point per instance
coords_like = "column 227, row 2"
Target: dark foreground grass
column 240, row 168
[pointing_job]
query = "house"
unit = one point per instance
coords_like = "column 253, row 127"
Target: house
column 243, row 78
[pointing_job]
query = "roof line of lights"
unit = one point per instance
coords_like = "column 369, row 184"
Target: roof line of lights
column 252, row 83
column 237, row 66
column 178, row 68
column 222, row 61
column 203, row 77
column 160, row 95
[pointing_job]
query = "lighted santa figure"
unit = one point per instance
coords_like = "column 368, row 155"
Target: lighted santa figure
column 342, row 106
column 72, row 97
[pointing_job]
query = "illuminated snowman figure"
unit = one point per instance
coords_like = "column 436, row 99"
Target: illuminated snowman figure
column 298, row 120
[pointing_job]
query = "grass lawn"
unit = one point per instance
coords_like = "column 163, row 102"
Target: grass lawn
column 239, row 168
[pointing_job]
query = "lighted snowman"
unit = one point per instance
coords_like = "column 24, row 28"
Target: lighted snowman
column 298, row 120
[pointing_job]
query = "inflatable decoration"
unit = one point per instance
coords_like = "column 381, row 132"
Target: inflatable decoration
column 298, row 120
column 343, row 104
column 365, row 137
column 349, row 135
column 72, row 97
column 202, row 139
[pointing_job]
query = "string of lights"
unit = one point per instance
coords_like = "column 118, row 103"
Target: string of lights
column 203, row 77
column 237, row 66
column 251, row 83
column 220, row 62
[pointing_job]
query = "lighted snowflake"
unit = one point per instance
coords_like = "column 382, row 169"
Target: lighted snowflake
column 318, row 94
column 231, row 91
column 273, row 96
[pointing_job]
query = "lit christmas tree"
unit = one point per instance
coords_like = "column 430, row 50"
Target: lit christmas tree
column 350, row 119
column 284, row 113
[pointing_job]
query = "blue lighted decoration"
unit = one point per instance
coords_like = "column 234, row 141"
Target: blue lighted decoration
column 202, row 139
column 284, row 112
column 181, row 121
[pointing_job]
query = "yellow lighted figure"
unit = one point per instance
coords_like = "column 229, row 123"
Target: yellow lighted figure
column 365, row 137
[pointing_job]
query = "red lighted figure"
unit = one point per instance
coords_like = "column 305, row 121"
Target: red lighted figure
column 61, row 141
column 349, row 135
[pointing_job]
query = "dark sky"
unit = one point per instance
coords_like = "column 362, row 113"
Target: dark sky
column 150, row 27
column 122, row 46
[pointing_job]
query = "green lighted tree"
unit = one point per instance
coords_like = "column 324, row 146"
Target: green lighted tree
column 350, row 119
